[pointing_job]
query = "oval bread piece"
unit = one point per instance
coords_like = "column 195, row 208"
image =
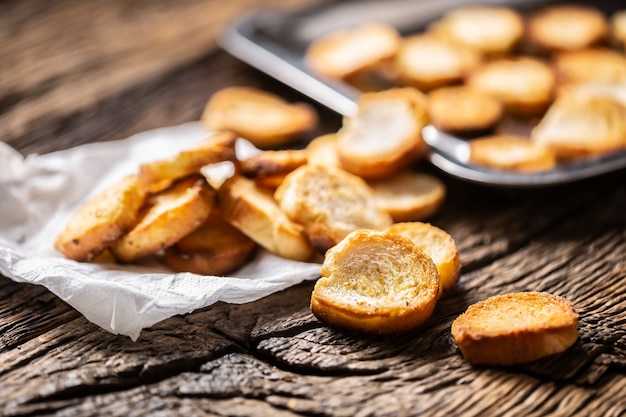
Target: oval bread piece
column 515, row 328
column 463, row 111
column 514, row 153
column 214, row 248
column 322, row 150
column 427, row 62
column 489, row 29
column 376, row 282
column 268, row 168
column 158, row 175
column 409, row 195
column 385, row 135
column 167, row 217
column 342, row 53
column 330, row 203
column 566, row 27
column 101, row 220
column 253, row 211
column 524, row 85
column 580, row 126
column 597, row 65
column 263, row 118
column 437, row 244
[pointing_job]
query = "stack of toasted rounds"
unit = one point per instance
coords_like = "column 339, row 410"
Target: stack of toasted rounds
column 515, row 328
column 376, row 282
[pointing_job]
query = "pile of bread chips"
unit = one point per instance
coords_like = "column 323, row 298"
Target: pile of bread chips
column 531, row 89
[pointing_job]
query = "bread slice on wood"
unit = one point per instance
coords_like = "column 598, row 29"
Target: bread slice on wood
column 101, row 220
column 409, row 195
column 514, row 153
column 342, row 53
column 330, row 203
column 166, row 218
column 376, row 282
column 385, row 135
column 253, row 210
column 583, row 125
column 214, row 248
column 263, row 118
column 437, row 244
column 515, row 328
column 566, row 27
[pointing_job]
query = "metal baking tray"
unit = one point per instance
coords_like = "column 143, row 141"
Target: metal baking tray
column 275, row 40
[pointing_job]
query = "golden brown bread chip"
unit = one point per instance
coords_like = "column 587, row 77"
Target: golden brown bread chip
column 385, row 135
column 489, row 29
column 524, row 85
column 580, row 126
column 214, row 248
column 376, row 282
column 322, row 150
column 101, row 220
column 263, row 118
column 437, row 244
column 514, row 153
column 253, row 211
column 344, row 52
column 566, row 27
column 427, row 62
column 158, row 175
column 597, row 65
column 463, row 111
column 618, row 27
column 515, row 328
column 330, row 203
column 409, row 195
column 268, row 168
column 167, row 217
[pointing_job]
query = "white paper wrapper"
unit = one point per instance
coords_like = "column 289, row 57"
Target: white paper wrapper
column 39, row 193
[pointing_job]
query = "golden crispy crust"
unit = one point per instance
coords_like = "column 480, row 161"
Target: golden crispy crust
column 253, row 211
column 566, row 27
column 263, row 118
column 597, row 65
column 437, row 244
column 166, row 218
column 330, row 203
column 515, row 153
column 385, row 135
column 269, row 168
column 463, row 111
column 214, row 248
column 101, row 220
column 515, row 328
column 376, row 282
column 409, row 195
column 322, row 150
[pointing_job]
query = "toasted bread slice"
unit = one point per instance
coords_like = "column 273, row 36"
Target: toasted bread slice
column 376, row 282
column 330, row 203
column 214, row 248
column 253, row 211
column 322, row 150
column 263, row 118
column 515, row 153
column 268, row 168
column 525, row 85
column 158, row 175
column 166, row 218
column 618, row 28
column 409, row 195
column 427, row 62
column 566, row 27
column 515, row 328
column 597, row 65
column 342, row 53
column 437, row 244
column 488, row 29
column 101, row 220
column 580, row 126
column 385, row 135
column 463, row 111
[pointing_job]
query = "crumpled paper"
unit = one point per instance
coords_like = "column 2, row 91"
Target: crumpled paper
column 39, row 193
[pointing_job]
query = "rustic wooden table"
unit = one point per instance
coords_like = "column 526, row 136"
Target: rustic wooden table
column 73, row 72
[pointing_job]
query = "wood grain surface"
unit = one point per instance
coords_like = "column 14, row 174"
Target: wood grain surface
column 74, row 72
